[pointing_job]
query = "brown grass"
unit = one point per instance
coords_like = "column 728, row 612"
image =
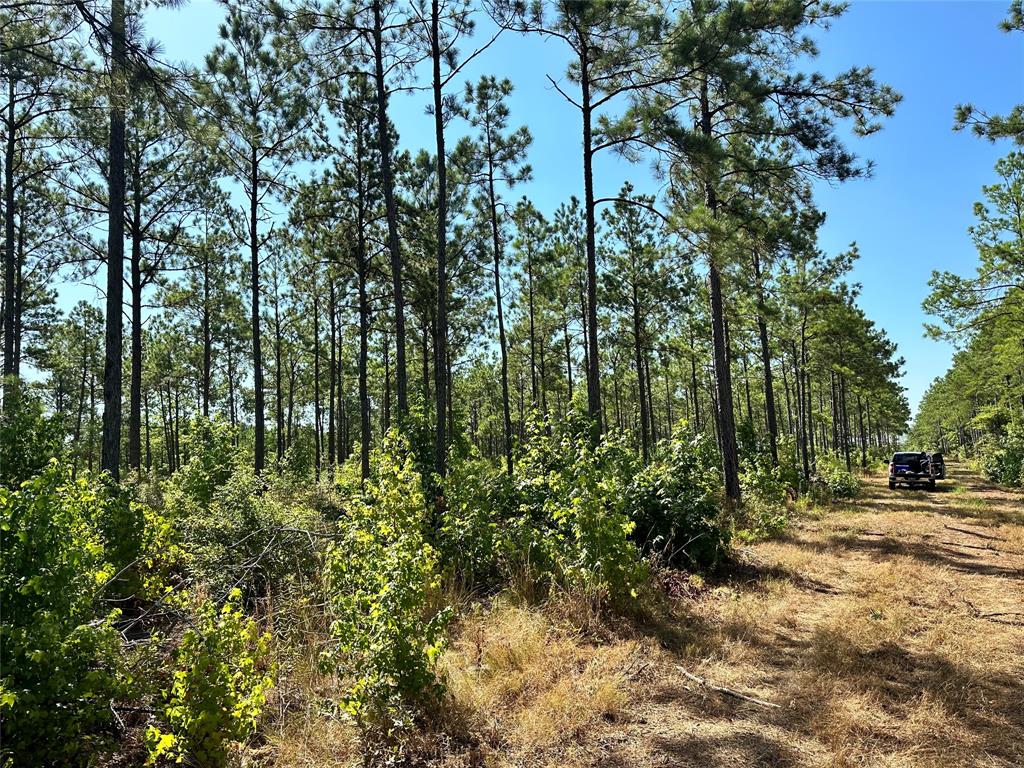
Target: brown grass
column 887, row 636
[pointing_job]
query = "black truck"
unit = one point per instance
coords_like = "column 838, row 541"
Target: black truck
column 911, row 468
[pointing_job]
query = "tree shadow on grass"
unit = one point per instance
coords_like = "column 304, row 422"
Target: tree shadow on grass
column 962, row 559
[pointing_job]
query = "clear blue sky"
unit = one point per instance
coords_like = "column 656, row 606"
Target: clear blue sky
column 909, row 218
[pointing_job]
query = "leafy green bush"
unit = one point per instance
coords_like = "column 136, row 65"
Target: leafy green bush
column 674, row 504
column 764, row 498
column 380, row 577
column 218, row 690
column 210, row 446
column 472, row 533
column 239, row 538
column 58, row 643
column 572, row 522
column 1002, row 459
column 29, row 438
column 832, row 474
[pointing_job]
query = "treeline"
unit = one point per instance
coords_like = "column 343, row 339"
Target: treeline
column 976, row 408
column 282, row 262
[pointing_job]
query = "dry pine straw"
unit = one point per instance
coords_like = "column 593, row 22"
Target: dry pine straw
column 888, row 630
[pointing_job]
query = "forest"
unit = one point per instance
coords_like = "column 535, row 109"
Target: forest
column 340, row 394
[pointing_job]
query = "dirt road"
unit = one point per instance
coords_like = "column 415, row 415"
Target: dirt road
column 889, row 632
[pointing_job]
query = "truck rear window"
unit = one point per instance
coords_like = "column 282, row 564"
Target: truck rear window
column 905, row 458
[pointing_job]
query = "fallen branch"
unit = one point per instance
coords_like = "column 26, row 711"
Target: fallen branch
column 989, row 548
column 973, row 533
column 728, row 691
column 999, row 613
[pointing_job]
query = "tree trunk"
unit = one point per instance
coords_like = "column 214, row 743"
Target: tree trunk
column 278, row 386
column 135, row 387
column 593, row 359
column 110, row 460
column 207, row 336
column 332, row 381
column 638, row 355
column 362, row 269
column 81, row 398
column 386, row 410
column 257, row 353
column 506, row 406
column 317, row 421
column 723, row 375
column 10, row 260
column 441, row 340
column 391, row 211
column 766, row 363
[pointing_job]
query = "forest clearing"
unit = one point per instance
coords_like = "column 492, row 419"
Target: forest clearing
column 888, row 631
column 507, row 383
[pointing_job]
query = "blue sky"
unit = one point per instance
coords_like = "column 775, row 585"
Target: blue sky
column 909, row 218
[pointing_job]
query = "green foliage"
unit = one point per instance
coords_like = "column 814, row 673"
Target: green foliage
column 29, row 437
column 834, row 477
column 210, row 445
column 1002, row 459
column 675, row 506
column 572, row 521
column 764, row 498
column 218, row 690
column 59, row 646
column 237, row 539
column 380, row 577
column 473, row 530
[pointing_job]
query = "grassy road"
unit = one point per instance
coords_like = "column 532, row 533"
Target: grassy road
column 890, row 631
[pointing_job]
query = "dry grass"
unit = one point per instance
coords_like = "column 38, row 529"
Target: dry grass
column 887, row 636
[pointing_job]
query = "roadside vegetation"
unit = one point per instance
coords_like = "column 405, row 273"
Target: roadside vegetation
column 390, row 468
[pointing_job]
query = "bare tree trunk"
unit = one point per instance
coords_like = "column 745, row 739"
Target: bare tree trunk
column 111, row 449
column 506, row 407
column 638, row 354
column 723, row 375
column 257, row 353
column 10, row 260
column 766, row 364
column 391, row 211
column 441, row 339
column 278, row 386
column 207, row 336
column 317, row 422
column 332, row 381
column 593, row 358
column 135, row 386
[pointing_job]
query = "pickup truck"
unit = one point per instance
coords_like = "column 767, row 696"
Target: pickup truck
column 911, row 469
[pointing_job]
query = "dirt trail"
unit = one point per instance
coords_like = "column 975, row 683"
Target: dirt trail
column 890, row 632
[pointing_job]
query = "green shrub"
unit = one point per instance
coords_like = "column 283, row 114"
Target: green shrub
column 29, row 438
column 380, row 577
column 218, row 690
column 1002, row 459
column 674, row 504
column 831, row 472
column 472, row 536
column 210, row 446
column 764, row 498
column 58, row 642
column 572, row 523
column 239, row 539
